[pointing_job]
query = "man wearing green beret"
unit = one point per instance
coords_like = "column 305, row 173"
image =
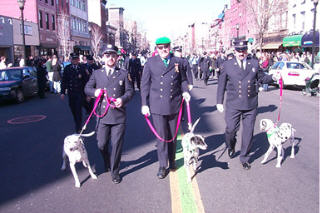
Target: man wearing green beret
column 163, row 85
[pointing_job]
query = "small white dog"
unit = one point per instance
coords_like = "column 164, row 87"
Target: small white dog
column 191, row 143
column 75, row 150
column 276, row 137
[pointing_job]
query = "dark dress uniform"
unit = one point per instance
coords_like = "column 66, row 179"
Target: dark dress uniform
column 242, row 100
column 220, row 60
column 41, row 78
column 161, row 89
column 135, row 70
column 73, row 81
column 111, row 127
column 205, row 63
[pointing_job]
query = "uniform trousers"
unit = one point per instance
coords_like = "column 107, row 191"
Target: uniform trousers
column 76, row 101
column 136, row 78
column 165, row 126
column 232, row 118
column 206, row 75
column 113, row 133
column 195, row 71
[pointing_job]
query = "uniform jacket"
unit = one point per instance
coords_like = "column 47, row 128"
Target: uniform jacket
column 242, row 86
column 220, row 60
column 205, row 63
column 134, row 66
column 187, row 68
column 162, row 87
column 74, row 79
column 117, row 86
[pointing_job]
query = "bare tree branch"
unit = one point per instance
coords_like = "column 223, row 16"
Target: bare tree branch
column 96, row 38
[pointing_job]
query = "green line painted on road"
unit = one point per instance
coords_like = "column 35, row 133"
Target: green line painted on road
column 186, row 193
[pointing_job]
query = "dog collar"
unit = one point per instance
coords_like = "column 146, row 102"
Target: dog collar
column 270, row 134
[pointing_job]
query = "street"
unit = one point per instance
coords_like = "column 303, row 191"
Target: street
column 31, row 157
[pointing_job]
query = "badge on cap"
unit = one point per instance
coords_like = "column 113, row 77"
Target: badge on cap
column 109, row 46
column 241, row 43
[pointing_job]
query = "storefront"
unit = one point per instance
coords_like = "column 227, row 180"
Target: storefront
column 307, row 40
column 6, row 38
column 292, row 43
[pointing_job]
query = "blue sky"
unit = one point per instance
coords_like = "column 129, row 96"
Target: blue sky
column 169, row 17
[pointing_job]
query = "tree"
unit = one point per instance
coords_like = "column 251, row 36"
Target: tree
column 261, row 12
column 96, row 38
column 64, row 34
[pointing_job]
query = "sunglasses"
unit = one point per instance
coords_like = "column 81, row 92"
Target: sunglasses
column 111, row 55
column 161, row 47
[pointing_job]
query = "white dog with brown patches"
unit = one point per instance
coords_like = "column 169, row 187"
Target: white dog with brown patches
column 276, row 137
column 75, row 150
column 191, row 143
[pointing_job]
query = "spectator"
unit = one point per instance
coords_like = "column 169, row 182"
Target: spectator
column 50, row 73
column 3, row 62
column 56, row 78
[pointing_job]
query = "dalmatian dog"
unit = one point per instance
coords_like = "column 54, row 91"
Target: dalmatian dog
column 75, row 150
column 191, row 143
column 276, row 137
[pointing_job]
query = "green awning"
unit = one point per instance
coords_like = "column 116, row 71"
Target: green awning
column 292, row 41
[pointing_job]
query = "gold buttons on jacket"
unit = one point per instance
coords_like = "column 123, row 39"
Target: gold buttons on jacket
column 161, row 89
column 161, row 96
column 161, row 82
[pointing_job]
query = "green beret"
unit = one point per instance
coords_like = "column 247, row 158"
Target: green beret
column 163, row 40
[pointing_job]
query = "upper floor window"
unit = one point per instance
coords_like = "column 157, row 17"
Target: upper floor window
column 2, row 20
column 53, row 23
column 52, row 2
column 47, row 21
column 40, row 19
column 46, row 1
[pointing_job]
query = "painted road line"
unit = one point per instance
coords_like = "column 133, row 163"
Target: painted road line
column 185, row 197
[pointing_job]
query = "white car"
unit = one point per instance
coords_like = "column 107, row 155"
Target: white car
column 293, row 73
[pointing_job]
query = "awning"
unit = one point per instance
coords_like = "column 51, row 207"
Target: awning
column 271, row 46
column 82, row 47
column 292, row 41
column 307, row 39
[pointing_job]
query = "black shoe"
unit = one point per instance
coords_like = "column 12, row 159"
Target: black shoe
column 231, row 152
column 116, row 178
column 172, row 166
column 246, row 166
column 162, row 173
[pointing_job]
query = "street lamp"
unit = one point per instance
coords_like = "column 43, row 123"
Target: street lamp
column 315, row 2
column 237, row 27
column 21, row 6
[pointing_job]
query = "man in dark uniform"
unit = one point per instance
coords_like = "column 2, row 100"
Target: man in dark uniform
column 135, row 70
column 194, row 63
column 177, row 51
column 205, row 65
column 73, row 81
column 163, row 85
column 111, row 127
column 220, row 60
column 240, row 77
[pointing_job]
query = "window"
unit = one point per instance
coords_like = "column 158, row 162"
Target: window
column 52, row 2
column 47, row 21
column 2, row 20
column 294, row 20
column 53, row 23
column 303, row 16
column 46, row 1
column 40, row 19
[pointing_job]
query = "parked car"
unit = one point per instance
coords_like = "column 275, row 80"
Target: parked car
column 18, row 82
column 293, row 73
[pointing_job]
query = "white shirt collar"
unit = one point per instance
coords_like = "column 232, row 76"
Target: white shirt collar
column 244, row 62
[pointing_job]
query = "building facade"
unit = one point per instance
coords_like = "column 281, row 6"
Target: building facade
column 79, row 26
column 47, row 23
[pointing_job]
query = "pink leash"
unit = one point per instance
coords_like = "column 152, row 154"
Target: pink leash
column 102, row 92
column 281, row 95
column 178, row 123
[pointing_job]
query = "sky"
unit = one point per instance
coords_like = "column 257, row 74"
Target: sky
column 169, row 17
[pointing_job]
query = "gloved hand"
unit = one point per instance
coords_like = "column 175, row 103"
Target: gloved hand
column 118, row 102
column 276, row 77
column 97, row 92
column 145, row 110
column 220, row 107
column 186, row 96
column 190, row 87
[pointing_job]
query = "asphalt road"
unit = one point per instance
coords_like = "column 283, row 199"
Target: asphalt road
column 30, row 156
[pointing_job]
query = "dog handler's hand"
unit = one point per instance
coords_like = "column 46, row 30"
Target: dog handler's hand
column 118, row 102
column 220, row 108
column 186, row 96
column 145, row 110
column 97, row 92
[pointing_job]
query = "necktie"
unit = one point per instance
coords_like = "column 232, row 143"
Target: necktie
column 165, row 61
column 109, row 72
column 242, row 65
